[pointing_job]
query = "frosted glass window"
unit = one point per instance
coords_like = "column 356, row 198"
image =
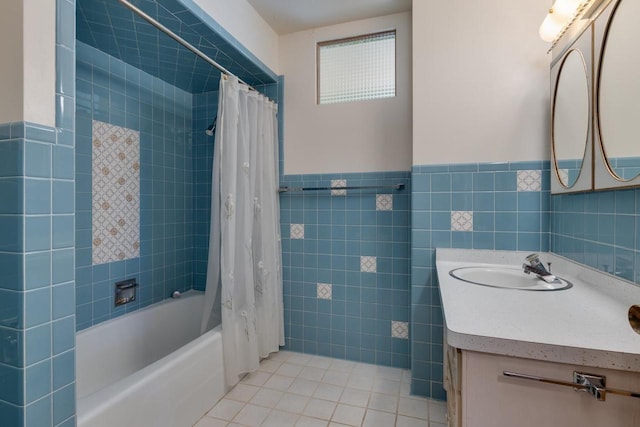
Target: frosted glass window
column 357, row 68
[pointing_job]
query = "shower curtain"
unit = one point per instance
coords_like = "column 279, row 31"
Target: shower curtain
column 244, row 273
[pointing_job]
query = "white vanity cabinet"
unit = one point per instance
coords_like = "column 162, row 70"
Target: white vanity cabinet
column 489, row 330
column 489, row 399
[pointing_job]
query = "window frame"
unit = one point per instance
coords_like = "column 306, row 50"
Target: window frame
column 353, row 38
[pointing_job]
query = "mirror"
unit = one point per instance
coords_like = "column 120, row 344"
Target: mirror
column 618, row 93
column 572, row 116
column 570, row 124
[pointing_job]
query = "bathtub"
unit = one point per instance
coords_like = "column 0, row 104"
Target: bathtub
column 149, row 368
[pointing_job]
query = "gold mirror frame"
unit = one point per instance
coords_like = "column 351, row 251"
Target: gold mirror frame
column 561, row 66
column 583, row 45
column 605, row 177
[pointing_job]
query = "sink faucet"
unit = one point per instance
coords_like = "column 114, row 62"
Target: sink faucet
column 533, row 265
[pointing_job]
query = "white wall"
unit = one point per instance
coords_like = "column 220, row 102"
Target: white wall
column 481, row 81
column 242, row 21
column 363, row 136
column 27, row 47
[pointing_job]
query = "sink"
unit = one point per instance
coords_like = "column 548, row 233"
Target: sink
column 507, row 278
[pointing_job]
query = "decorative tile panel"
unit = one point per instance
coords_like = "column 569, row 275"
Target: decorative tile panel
column 400, row 329
column 529, row 180
column 384, row 202
column 462, row 221
column 296, row 231
column 368, row 264
column 116, row 193
column 324, row 291
column 338, row 183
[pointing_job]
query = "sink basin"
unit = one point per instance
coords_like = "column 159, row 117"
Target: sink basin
column 507, row 278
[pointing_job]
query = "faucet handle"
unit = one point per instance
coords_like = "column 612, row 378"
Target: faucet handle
column 533, row 259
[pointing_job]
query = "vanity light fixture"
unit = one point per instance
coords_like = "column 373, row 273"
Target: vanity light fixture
column 561, row 16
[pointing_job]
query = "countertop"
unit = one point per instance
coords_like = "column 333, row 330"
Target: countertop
column 585, row 325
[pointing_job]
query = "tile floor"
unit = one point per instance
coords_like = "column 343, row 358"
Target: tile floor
column 294, row 389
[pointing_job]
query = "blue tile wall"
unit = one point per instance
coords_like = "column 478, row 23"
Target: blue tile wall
column 600, row 230
column 502, row 206
column 111, row 91
column 356, row 322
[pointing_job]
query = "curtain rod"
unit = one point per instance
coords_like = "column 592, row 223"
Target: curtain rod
column 398, row 187
column 180, row 40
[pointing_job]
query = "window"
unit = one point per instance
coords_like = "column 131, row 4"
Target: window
column 357, row 68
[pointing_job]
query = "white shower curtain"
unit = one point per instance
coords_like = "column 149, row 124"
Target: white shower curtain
column 244, row 273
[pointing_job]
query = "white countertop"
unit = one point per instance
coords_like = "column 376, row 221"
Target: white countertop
column 585, row 325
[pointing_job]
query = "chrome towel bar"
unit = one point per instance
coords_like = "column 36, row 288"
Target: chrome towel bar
column 588, row 383
column 397, row 187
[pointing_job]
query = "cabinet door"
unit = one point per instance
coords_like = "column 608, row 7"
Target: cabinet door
column 491, row 400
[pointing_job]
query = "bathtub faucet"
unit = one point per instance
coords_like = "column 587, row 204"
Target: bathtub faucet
column 535, row 266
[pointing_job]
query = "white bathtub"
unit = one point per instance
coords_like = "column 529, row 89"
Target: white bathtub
column 149, row 368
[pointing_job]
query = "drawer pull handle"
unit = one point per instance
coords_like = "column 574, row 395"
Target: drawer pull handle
column 588, row 383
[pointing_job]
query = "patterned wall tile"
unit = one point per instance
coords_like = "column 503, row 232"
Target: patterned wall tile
column 338, row 183
column 384, row 202
column 368, row 264
column 116, row 193
column 296, row 231
column 324, row 290
column 400, row 329
column 529, row 180
column 462, row 221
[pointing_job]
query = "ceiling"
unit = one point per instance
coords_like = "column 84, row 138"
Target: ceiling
column 113, row 29
column 288, row 16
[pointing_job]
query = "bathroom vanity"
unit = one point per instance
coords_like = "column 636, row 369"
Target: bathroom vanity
column 515, row 356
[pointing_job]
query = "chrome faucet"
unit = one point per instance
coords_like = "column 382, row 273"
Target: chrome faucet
column 535, row 266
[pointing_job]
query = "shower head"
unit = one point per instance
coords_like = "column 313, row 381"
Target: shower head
column 212, row 128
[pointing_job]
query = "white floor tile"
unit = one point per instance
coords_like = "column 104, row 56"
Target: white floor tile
column 292, row 403
column 311, row 422
column 355, row 397
column 378, row 419
column 293, row 389
column 349, row 415
column 335, row 378
column 322, row 409
column 386, row 386
column 383, row 402
column 320, row 362
column 251, row 415
column 210, row 422
column 438, row 412
column 289, row 370
column 299, row 359
column 226, row 409
column 303, row 387
column 267, row 398
column 257, row 378
column 242, row 392
column 270, row 366
column 328, row 392
column 280, row 419
column 360, row 382
column 416, row 408
column 311, row 373
column 404, row 421
column 278, row 382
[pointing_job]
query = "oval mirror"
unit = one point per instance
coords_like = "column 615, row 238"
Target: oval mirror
column 570, row 118
column 618, row 95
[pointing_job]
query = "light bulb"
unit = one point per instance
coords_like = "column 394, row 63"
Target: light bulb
column 551, row 26
column 565, row 9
